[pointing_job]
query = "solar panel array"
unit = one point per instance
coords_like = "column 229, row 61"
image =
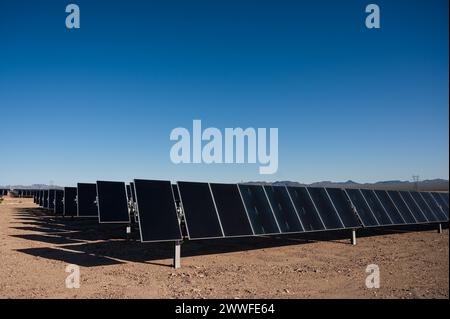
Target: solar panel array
column 210, row 210
column 18, row 192
column 193, row 210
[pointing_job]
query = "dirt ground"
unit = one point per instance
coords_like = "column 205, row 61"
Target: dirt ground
column 35, row 249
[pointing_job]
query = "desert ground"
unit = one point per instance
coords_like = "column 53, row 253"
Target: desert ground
column 35, row 249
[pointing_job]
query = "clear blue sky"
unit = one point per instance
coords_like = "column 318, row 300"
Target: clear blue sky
column 100, row 102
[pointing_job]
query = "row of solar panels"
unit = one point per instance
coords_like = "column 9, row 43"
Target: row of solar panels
column 167, row 212
column 18, row 192
column 106, row 200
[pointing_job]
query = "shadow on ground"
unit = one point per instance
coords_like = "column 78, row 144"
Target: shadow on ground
column 87, row 243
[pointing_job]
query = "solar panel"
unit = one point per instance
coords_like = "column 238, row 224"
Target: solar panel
column 441, row 199
column 45, row 199
column 325, row 208
column 87, row 199
column 362, row 208
column 305, row 209
column 70, row 201
column 376, row 207
column 442, row 204
column 344, row 207
column 444, row 197
column 51, row 199
column 402, row 207
column 438, row 212
column 112, row 202
column 389, row 207
column 58, row 206
column 231, row 210
column 158, row 220
column 426, row 210
column 200, row 214
column 413, row 207
column 40, row 197
column 283, row 209
column 258, row 209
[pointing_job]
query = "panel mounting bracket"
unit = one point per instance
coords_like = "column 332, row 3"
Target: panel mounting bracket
column 128, row 231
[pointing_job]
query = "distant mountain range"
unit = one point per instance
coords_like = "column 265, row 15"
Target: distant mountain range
column 34, row 186
column 425, row 185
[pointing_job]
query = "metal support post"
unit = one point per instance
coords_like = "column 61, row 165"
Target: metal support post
column 177, row 256
column 353, row 236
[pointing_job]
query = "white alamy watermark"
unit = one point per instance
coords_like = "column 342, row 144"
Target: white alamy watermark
column 373, row 279
column 73, row 279
column 373, row 19
column 73, row 17
column 234, row 146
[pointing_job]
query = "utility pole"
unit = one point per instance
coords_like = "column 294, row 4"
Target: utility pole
column 416, row 182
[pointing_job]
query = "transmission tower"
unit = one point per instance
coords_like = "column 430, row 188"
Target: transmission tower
column 416, row 182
